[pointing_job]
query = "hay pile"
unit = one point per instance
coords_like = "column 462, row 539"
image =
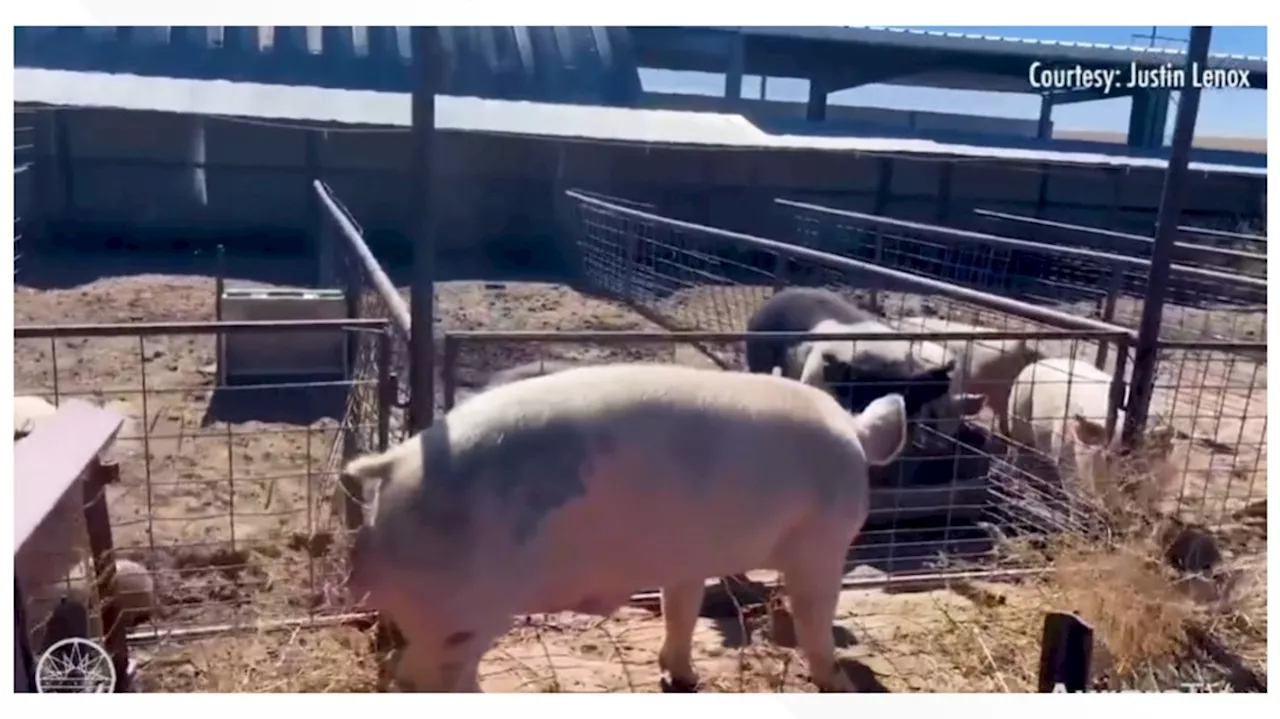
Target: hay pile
column 1171, row 605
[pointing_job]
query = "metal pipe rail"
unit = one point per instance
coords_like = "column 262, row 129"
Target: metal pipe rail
column 683, row 336
column 1223, row 234
column 981, row 238
column 1148, row 242
column 154, row 329
column 452, row 342
column 904, row 280
column 397, row 308
column 347, row 260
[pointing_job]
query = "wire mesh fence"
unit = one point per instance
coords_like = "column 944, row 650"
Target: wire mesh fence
column 1214, row 397
column 347, row 262
column 224, row 491
column 696, row 278
column 693, row 277
column 937, row 507
column 1202, row 303
column 1234, row 238
column 1193, row 250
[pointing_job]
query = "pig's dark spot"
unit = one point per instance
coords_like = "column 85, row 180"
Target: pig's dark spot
column 534, row 470
column 692, row 451
column 457, row 638
column 603, row 441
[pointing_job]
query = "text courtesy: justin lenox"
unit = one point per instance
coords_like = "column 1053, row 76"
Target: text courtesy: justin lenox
column 1134, row 76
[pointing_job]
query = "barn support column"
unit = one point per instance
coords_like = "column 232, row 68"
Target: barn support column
column 426, row 69
column 735, row 70
column 816, row 111
column 1148, row 117
column 197, row 151
column 1044, row 130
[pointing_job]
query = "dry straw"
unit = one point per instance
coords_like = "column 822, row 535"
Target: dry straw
column 1155, row 627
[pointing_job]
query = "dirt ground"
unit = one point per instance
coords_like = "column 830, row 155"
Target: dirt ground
column 575, row 653
column 232, row 511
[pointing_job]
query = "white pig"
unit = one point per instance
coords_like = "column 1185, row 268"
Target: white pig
column 984, row 367
column 572, row 491
column 1059, row 407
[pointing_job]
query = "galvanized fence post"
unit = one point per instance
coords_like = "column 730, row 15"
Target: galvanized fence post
column 1114, row 283
column 1117, row 393
column 448, row 371
column 351, row 295
column 874, row 294
column 632, row 251
column 1066, row 654
column 781, row 271
column 219, row 282
column 386, row 389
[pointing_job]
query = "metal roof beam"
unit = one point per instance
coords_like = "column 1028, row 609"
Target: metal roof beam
column 848, row 78
column 1071, row 97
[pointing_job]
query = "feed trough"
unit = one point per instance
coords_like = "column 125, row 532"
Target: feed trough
column 265, row 357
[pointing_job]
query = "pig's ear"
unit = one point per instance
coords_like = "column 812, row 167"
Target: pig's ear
column 882, row 429
column 815, row 367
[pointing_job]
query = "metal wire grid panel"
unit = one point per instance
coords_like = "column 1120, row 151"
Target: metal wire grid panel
column 224, row 492
column 933, row 511
column 691, row 277
column 1202, row 303
column 1214, row 395
column 1242, row 236
column 1212, row 252
column 347, row 262
column 1210, row 377
column 696, row 278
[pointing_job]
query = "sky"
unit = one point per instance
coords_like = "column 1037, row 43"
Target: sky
column 1238, row 113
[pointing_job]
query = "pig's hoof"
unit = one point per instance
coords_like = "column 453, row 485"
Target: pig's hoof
column 677, row 686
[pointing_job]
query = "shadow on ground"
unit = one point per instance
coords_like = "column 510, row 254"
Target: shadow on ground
column 300, row 404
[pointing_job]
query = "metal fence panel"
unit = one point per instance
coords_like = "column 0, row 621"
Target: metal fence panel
column 1203, row 303
column 695, row 278
column 346, row 261
column 225, row 491
column 936, row 509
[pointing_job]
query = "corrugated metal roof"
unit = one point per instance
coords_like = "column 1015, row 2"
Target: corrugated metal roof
column 1060, row 49
column 280, row 103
